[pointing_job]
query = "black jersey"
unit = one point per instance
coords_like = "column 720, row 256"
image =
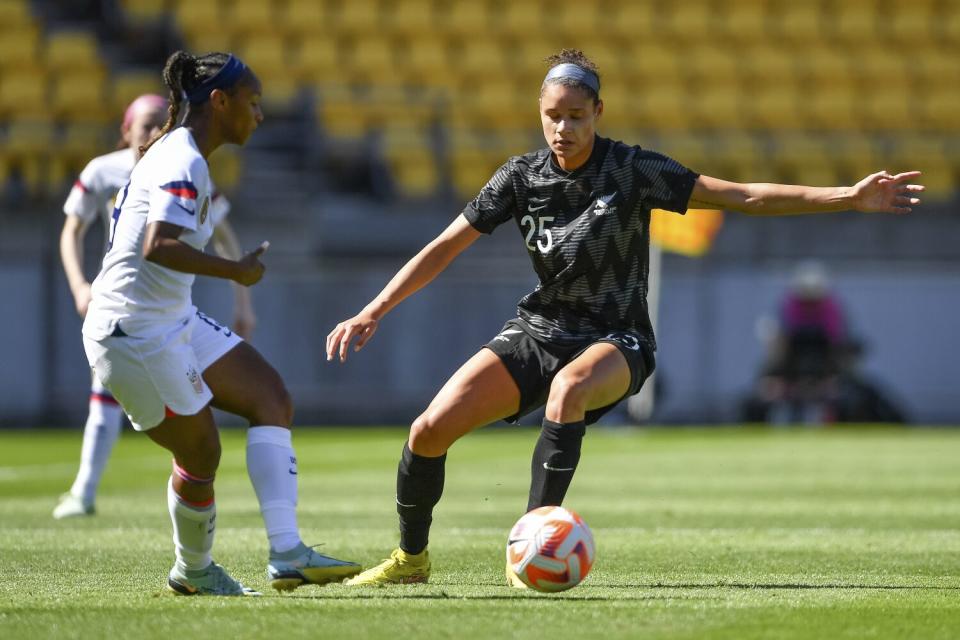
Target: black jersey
column 587, row 232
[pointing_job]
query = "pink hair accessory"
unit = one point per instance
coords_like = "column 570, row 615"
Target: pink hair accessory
column 139, row 103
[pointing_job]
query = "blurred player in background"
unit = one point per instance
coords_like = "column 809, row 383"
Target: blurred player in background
column 91, row 198
column 167, row 363
column 583, row 340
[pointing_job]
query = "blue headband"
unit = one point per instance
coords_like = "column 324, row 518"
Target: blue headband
column 574, row 72
column 225, row 78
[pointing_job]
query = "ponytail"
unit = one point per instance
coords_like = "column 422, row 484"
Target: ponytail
column 179, row 65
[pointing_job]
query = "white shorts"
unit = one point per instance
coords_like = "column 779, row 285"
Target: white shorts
column 153, row 377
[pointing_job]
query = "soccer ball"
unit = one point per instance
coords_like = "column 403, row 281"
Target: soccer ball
column 550, row 549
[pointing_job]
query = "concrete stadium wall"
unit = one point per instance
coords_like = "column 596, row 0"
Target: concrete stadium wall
column 708, row 355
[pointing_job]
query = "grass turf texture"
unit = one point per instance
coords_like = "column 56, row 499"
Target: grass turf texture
column 732, row 533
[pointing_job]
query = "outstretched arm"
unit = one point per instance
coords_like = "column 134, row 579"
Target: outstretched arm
column 417, row 273
column 879, row 192
column 227, row 246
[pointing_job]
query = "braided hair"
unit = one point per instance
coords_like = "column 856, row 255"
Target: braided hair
column 182, row 73
column 579, row 58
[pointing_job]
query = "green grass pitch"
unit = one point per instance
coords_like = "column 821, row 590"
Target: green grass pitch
column 701, row 533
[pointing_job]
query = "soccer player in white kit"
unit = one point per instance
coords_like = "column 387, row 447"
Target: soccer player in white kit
column 91, row 198
column 167, row 363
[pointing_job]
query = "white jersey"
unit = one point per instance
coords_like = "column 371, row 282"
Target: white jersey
column 93, row 193
column 171, row 183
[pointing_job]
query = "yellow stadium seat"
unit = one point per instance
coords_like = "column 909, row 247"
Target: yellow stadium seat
column 412, row 17
column 718, row 105
column 939, row 107
column 711, row 64
column 691, row 20
column 144, row 10
column 358, row 17
column 520, row 19
column 28, row 146
column 888, row 106
column 689, row 149
column 879, row 64
column 833, row 108
column 654, row 63
column 78, row 97
column 826, row 66
column 481, row 58
column 19, row 47
column 246, row 17
column 633, row 22
column 853, row 21
column 767, row 63
column 372, row 58
column 576, row 19
column 936, row 67
column 466, row 18
column 305, row 19
column 314, row 58
column 15, row 14
column 492, row 104
column 267, row 55
column 202, row 24
column 855, row 155
column 804, row 159
column 948, row 23
column 797, row 22
column 742, row 21
column 740, row 157
column 929, row 154
column 128, row 85
column 24, row 94
column 426, row 62
column 913, row 22
column 342, row 116
column 411, row 160
column 73, row 51
column 670, row 106
column 472, row 162
column 82, row 141
column 774, row 105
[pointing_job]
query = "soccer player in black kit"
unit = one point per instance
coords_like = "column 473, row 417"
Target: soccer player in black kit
column 582, row 341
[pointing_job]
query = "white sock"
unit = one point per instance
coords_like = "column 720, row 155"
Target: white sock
column 193, row 530
column 272, row 467
column 99, row 435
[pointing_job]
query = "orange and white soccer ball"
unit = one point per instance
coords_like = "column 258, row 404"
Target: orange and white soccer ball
column 551, row 549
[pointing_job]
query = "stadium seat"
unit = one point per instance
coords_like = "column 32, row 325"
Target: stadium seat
column 80, row 97
column 201, row 22
column 251, row 17
column 825, row 67
column 742, row 21
column 689, row 21
column 73, row 52
column 888, row 105
column 710, row 64
column 425, row 62
column 372, row 59
column 912, row 22
column 19, row 48
column 412, row 161
column 144, row 10
column 670, row 106
column 28, row 146
column 834, row 108
column 633, row 22
column 804, row 159
column 411, row 18
column 358, row 17
column 520, row 19
column 931, row 154
column 313, row 60
column 461, row 19
column 938, row 109
column 766, row 63
column 304, row 19
column 774, row 105
column 127, row 85
column 481, row 58
column 718, row 105
column 655, row 63
column 853, row 22
column 24, row 94
column 797, row 22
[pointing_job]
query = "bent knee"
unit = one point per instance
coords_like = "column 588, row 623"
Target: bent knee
column 569, row 391
column 200, row 456
column 274, row 408
column 427, row 435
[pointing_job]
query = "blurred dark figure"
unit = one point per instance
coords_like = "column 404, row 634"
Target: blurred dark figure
column 812, row 371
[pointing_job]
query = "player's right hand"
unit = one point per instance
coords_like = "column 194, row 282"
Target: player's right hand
column 361, row 326
column 251, row 269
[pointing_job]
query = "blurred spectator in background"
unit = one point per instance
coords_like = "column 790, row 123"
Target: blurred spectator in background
column 811, row 375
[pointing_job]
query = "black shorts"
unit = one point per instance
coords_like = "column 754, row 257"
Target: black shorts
column 533, row 363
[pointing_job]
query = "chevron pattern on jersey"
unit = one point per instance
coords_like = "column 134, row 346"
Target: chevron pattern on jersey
column 587, row 233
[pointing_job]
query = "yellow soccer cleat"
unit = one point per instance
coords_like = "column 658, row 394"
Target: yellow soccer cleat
column 400, row 568
column 513, row 580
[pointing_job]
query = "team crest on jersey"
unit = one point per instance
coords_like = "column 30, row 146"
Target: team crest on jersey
column 203, row 210
column 603, row 205
column 194, row 377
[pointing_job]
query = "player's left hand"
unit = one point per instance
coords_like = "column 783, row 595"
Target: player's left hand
column 885, row 193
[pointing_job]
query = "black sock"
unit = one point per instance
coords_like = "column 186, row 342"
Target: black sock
column 419, row 487
column 554, row 461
